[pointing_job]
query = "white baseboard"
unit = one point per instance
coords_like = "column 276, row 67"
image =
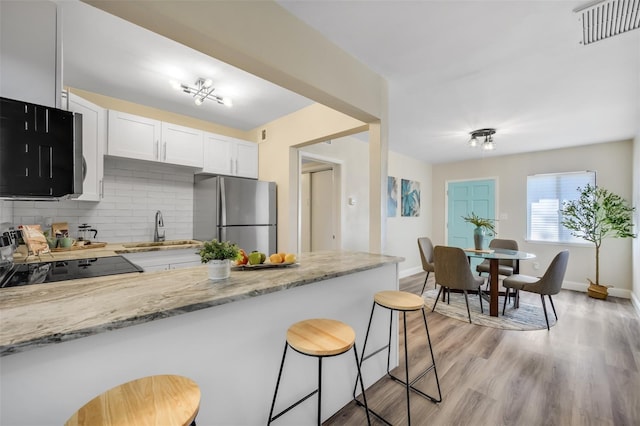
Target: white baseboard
column 411, row 271
column 635, row 302
column 614, row 292
column 568, row 285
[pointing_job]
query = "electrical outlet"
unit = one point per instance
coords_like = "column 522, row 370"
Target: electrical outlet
column 536, row 265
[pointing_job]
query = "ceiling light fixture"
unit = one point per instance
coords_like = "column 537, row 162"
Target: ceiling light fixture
column 487, row 144
column 204, row 90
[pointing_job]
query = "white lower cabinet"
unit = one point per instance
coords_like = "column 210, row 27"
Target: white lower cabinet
column 94, row 136
column 151, row 261
column 142, row 138
column 229, row 156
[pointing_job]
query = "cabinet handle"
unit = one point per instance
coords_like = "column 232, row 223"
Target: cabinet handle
column 231, row 165
column 165, row 152
column 156, row 151
column 236, row 172
column 101, row 191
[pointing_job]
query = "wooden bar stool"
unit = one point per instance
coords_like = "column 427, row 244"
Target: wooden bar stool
column 153, row 400
column 404, row 302
column 319, row 338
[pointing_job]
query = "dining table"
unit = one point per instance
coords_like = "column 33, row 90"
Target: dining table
column 494, row 256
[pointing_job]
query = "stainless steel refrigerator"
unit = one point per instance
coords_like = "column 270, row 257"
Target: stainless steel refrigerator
column 239, row 210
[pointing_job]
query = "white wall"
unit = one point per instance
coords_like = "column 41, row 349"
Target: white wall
column 635, row 295
column 353, row 155
column 402, row 232
column 133, row 191
column 613, row 164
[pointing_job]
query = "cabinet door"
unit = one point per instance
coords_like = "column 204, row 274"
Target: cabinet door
column 246, row 161
column 218, row 154
column 132, row 136
column 94, row 133
column 181, row 145
column 31, row 54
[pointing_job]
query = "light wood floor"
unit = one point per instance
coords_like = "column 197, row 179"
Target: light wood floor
column 585, row 371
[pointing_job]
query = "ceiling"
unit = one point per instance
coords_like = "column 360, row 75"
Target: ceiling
column 107, row 55
column 451, row 66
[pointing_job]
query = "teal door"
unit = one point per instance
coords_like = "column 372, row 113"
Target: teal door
column 477, row 196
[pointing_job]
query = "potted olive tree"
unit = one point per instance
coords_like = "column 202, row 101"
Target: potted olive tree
column 218, row 255
column 595, row 215
column 482, row 225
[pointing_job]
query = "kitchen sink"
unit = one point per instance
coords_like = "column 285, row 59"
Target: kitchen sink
column 159, row 245
column 162, row 243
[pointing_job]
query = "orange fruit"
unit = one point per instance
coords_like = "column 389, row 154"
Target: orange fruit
column 275, row 258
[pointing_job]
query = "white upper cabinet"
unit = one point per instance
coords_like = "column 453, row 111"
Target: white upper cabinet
column 246, row 159
column 142, row 138
column 94, row 136
column 181, row 145
column 31, row 54
column 229, row 156
column 132, row 136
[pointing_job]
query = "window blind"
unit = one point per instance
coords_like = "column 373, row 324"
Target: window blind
column 545, row 197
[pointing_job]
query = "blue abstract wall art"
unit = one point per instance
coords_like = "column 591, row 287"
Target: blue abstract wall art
column 410, row 194
column 392, row 196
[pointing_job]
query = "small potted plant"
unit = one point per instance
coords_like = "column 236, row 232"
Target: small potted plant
column 482, row 226
column 595, row 215
column 218, row 255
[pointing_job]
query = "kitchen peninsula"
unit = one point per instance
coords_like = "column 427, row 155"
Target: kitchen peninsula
column 63, row 343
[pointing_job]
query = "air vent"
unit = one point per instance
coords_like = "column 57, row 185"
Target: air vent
column 606, row 18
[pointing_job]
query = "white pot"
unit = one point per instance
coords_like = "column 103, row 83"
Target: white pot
column 219, row 269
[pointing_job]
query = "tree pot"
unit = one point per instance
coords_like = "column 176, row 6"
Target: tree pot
column 597, row 291
column 219, row 269
column 478, row 238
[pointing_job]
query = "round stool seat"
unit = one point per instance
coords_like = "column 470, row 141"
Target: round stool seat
column 321, row 337
column 399, row 300
column 153, row 400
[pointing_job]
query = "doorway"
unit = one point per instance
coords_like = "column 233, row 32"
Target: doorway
column 463, row 198
column 319, row 204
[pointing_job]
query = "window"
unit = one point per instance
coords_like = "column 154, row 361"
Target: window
column 545, row 196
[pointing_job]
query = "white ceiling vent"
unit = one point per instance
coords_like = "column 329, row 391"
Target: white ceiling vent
column 606, row 18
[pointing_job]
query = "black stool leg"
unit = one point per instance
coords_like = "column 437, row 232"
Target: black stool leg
column 364, row 397
column 365, row 357
column 319, row 390
column 273, row 403
column 406, row 365
column 433, row 360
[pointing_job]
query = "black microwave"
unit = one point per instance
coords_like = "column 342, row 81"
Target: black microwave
column 40, row 151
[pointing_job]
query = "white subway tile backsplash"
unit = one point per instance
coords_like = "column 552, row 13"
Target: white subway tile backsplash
column 133, row 192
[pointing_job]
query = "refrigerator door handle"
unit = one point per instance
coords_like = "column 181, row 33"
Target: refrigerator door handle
column 223, row 234
column 223, row 205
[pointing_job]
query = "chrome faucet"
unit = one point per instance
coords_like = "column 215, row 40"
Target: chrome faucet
column 157, row 236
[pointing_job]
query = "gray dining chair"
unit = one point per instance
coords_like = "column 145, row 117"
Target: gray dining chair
column 426, row 255
column 549, row 284
column 505, row 267
column 453, row 273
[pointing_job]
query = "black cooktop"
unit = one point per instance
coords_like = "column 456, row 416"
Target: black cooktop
column 62, row 270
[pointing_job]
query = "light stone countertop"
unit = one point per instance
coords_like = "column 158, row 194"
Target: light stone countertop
column 42, row 314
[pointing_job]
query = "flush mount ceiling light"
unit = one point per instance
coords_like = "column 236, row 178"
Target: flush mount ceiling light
column 603, row 19
column 476, row 139
column 202, row 91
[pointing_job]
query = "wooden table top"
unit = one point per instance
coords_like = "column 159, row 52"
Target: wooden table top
column 153, row 400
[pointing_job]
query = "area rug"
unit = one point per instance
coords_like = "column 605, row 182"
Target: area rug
column 529, row 316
